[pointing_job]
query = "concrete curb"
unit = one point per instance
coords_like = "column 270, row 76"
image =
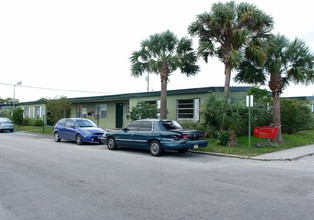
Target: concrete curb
column 252, row 158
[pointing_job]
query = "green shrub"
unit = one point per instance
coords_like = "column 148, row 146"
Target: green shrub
column 5, row 113
column 295, row 115
column 143, row 110
column 26, row 121
column 32, row 122
column 222, row 137
column 18, row 116
column 57, row 109
column 38, row 122
column 222, row 114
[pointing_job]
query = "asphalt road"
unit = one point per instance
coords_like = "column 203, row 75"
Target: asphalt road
column 42, row 179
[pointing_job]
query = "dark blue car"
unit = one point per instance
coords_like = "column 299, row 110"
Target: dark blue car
column 80, row 130
column 155, row 135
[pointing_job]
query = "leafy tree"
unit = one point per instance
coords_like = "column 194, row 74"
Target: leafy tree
column 17, row 116
column 143, row 110
column 57, row 109
column 8, row 101
column 286, row 62
column 163, row 54
column 5, row 113
column 230, row 31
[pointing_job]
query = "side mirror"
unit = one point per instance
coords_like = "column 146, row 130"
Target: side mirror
column 125, row 129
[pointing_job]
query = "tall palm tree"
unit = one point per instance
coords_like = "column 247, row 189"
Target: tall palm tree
column 228, row 31
column 287, row 62
column 163, row 54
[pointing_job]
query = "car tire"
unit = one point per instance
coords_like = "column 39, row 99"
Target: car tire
column 111, row 144
column 56, row 137
column 155, row 148
column 182, row 151
column 78, row 139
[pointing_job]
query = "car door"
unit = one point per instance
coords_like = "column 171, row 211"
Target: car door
column 125, row 138
column 142, row 135
column 60, row 127
column 70, row 131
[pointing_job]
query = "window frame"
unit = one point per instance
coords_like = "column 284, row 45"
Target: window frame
column 194, row 111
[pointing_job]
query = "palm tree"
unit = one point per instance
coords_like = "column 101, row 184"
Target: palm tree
column 163, row 54
column 287, row 62
column 230, row 30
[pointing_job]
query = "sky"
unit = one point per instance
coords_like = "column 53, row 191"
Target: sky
column 79, row 48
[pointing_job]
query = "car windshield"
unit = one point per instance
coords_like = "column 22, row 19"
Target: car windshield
column 4, row 120
column 85, row 123
column 170, row 125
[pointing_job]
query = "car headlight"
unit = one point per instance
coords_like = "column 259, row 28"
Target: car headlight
column 87, row 132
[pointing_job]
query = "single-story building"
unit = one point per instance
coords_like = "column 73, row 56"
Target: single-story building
column 112, row 111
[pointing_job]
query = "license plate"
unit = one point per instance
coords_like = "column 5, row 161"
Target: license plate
column 195, row 145
column 99, row 137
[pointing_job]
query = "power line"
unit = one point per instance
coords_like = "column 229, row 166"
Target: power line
column 64, row 90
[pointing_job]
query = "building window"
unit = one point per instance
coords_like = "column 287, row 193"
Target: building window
column 101, row 110
column 36, row 112
column 26, row 112
column 128, row 111
column 188, row 109
column 81, row 111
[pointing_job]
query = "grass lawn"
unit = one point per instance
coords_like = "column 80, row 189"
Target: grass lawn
column 298, row 139
column 34, row 129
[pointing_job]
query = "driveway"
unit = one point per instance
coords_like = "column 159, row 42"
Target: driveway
column 41, row 179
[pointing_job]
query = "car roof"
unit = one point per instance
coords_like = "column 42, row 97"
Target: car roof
column 152, row 119
column 75, row 119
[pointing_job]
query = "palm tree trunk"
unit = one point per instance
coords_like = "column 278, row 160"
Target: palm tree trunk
column 276, row 116
column 276, row 85
column 163, row 98
column 227, row 79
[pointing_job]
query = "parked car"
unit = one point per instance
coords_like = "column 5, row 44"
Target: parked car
column 6, row 124
column 156, row 136
column 80, row 130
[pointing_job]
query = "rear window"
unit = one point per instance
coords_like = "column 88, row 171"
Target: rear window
column 61, row 123
column 4, row 120
column 170, row 125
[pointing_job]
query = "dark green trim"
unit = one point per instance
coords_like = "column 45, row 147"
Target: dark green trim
column 127, row 96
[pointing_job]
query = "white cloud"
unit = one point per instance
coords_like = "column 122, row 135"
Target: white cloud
column 86, row 45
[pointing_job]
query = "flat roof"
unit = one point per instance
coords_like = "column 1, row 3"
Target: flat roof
column 126, row 96
column 157, row 93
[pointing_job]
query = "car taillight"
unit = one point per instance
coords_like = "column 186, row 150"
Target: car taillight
column 12, row 123
column 182, row 136
column 203, row 135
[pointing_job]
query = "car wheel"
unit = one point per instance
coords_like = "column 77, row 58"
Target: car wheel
column 155, row 148
column 182, row 151
column 56, row 137
column 79, row 139
column 111, row 144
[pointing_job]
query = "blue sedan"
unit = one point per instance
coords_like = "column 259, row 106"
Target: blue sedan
column 79, row 130
column 156, row 136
